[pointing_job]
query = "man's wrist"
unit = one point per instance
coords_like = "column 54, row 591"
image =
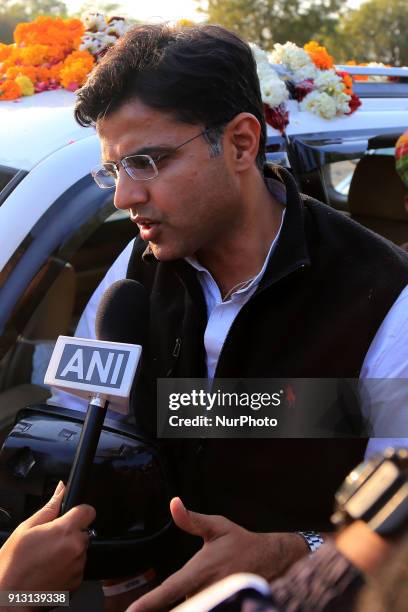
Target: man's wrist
column 313, row 539
column 285, row 549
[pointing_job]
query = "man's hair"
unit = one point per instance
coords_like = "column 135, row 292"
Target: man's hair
column 201, row 75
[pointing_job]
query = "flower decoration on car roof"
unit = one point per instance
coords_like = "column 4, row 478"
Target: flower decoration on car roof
column 310, row 77
column 273, row 90
column 319, row 55
column 374, row 78
column 51, row 52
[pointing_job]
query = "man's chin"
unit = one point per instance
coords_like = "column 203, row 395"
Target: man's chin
column 165, row 253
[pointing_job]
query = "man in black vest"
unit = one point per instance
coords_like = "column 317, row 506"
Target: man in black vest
column 247, row 278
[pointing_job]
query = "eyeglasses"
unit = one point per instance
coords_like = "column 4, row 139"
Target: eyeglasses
column 137, row 167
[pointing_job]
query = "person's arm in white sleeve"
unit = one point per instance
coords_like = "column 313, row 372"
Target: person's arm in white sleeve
column 86, row 324
column 384, row 377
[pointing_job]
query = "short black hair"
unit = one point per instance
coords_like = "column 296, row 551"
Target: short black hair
column 203, row 74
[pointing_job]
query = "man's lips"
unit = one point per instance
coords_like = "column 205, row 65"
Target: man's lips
column 149, row 229
column 142, row 220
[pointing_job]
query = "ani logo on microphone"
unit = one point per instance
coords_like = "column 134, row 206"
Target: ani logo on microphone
column 83, row 366
column 90, row 365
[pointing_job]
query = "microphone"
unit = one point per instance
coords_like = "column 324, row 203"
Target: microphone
column 101, row 369
column 123, row 313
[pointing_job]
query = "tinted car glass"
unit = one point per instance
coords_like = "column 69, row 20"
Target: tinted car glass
column 6, row 174
column 47, row 283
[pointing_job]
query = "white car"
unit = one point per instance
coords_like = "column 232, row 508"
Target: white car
column 59, row 232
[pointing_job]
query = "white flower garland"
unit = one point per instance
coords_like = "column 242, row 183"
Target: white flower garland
column 295, row 60
column 327, row 97
column 100, row 33
column 273, row 89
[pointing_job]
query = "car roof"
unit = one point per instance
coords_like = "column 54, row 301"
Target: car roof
column 384, row 104
column 373, row 113
column 34, row 127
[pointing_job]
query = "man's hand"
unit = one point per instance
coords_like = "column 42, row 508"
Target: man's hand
column 45, row 552
column 227, row 548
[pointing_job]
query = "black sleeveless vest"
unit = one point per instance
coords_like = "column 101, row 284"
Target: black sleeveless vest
column 328, row 286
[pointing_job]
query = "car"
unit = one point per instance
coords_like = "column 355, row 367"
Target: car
column 338, row 161
column 59, row 235
column 59, row 232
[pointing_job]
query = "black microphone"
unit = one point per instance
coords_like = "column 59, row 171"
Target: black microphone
column 123, row 313
column 123, row 316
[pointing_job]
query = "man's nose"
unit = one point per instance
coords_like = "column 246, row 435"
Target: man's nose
column 129, row 193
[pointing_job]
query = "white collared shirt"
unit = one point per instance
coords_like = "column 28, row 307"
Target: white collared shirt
column 221, row 314
column 387, row 356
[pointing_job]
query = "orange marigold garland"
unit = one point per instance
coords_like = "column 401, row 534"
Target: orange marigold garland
column 51, row 52
column 50, row 31
column 319, row 55
column 76, row 69
column 9, row 90
column 34, row 55
column 15, row 71
column 348, row 82
column 5, row 51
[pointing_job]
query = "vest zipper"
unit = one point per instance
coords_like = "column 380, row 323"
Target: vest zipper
column 177, row 346
column 175, row 354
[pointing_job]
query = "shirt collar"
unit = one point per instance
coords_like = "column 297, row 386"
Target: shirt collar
column 290, row 252
column 256, row 279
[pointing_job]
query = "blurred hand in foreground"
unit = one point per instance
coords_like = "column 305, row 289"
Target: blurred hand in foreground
column 47, row 552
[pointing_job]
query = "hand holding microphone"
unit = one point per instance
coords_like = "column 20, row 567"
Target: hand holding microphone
column 45, row 551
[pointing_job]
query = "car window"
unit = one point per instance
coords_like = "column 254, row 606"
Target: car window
column 6, row 174
column 354, row 172
column 340, row 173
column 9, row 178
column 47, row 283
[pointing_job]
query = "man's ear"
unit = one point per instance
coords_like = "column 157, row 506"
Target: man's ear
column 243, row 134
